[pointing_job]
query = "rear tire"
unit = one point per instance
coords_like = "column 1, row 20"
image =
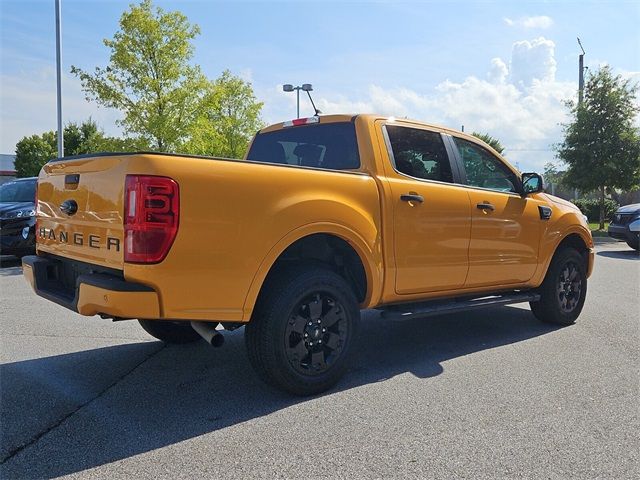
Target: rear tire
column 170, row 332
column 564, row 289
column 300, row 336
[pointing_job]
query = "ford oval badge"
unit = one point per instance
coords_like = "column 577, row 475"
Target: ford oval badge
column 69, row 207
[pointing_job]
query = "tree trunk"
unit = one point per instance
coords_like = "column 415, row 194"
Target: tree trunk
column 601, row 227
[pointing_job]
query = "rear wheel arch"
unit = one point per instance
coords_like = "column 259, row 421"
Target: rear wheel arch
column 332, row 246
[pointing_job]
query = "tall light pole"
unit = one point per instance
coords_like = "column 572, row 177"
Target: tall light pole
column 306, row 87
column 59, row 78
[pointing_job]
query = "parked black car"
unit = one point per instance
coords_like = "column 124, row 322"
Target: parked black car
column 18, row 217
column 625, row 225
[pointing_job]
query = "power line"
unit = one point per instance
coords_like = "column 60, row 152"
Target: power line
column 529, row 149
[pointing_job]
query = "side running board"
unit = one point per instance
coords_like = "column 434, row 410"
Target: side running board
column 438, row 307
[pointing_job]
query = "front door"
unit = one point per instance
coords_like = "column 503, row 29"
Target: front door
column 505, row 227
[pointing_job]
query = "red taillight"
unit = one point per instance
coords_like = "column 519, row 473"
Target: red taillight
column 151, row 214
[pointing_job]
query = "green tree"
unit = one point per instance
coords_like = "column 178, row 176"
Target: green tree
column 230, row 117
column 149, row 77
column 33, row 152
column 79, row 137
column 489, row 140
column 553, row 176
column 601, row 145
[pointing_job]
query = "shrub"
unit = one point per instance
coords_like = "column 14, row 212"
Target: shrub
column 591, row 208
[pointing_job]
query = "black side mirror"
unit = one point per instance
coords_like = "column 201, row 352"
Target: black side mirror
column 532, row 183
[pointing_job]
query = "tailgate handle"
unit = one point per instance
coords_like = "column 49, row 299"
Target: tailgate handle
column 73, row 179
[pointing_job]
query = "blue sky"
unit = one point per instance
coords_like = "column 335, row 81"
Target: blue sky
column 499, row 67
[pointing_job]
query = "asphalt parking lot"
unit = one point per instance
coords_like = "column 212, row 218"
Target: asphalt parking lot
column 488, row 394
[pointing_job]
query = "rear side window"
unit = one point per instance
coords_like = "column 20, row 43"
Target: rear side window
column 419, row 153
column 330, row 145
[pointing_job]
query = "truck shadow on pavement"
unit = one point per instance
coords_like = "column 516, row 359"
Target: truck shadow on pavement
column 182, row 392
column 622, row 254
column 10, row 266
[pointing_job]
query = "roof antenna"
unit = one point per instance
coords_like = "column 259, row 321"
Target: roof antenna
column 307, row 88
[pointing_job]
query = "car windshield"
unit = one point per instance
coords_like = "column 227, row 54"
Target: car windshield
column 24, row 191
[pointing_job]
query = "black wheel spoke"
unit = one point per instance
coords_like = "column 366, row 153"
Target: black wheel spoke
column 315, row 308
column 331, row 317
column 297, row 324
column 318, row 361
column 332, row 341
column 299, row 350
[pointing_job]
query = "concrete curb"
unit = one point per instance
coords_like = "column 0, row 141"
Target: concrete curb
column 601, row 240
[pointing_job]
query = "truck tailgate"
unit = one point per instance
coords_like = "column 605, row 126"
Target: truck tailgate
column 80, row 208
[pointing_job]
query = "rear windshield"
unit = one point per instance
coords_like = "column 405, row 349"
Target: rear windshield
column 24, row 191
column 329, row 145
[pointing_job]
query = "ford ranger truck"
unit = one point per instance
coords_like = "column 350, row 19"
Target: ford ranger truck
column 325, row 216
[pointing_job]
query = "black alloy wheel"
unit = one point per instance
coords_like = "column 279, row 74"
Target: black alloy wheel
column 569, row 287
column 316, row 334
column 302, row 328
column 564, row 289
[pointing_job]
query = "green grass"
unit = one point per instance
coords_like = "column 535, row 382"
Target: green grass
column 599, row 233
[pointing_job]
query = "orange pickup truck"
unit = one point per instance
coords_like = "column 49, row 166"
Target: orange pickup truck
column 324, row 217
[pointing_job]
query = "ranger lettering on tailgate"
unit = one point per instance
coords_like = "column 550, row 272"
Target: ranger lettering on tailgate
column 93, row 241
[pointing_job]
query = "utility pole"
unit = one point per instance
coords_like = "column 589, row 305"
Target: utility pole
column 580, row 89
column 580, row 73
column 59, row 78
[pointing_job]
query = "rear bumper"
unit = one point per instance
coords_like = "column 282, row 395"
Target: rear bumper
column 93, row 293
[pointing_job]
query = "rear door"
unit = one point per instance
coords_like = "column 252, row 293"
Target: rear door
column 505, row 227
column 431, row 215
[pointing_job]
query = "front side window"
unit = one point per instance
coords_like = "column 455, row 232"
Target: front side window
column 485, row 170
column 330, row 145
column 419, row 153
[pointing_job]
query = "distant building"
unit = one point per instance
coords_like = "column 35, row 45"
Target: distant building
column 7, row 169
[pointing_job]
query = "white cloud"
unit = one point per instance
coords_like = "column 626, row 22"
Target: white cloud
column 533, row 60
column 499, row 70
column 539, row 21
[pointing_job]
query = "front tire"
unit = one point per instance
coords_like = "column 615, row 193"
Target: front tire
column 564, row 289
column 301, row 333
column 170, row 332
